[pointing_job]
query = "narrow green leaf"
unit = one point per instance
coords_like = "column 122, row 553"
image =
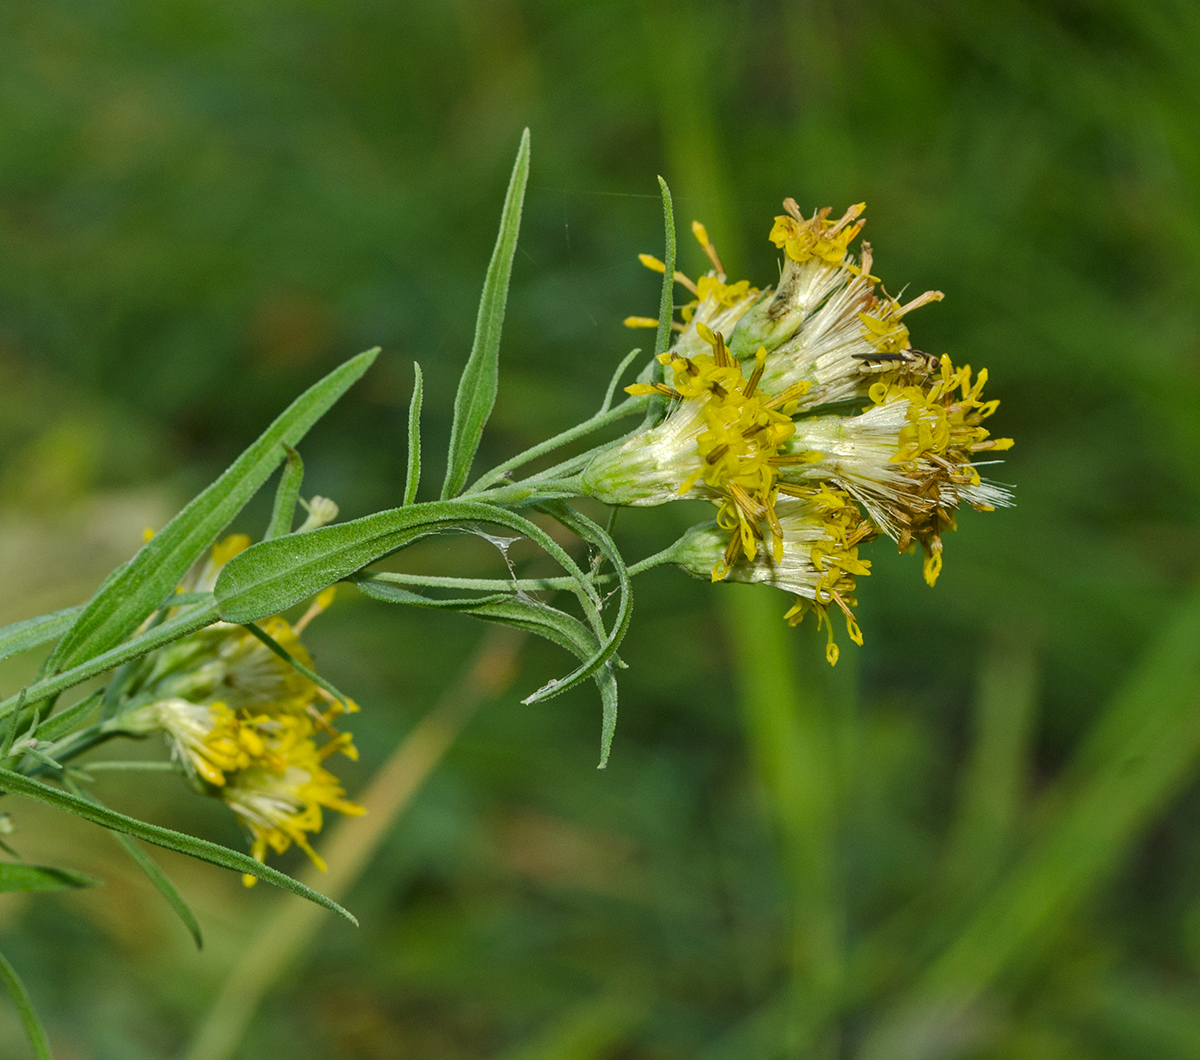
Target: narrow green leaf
column 33, row 1028
column 171, row 630
column 30, row 632
column 524, row 613
column 413, row 478
column 58, row 725
column 666, row 301
column 275, row 647
column 601, row 661
column 18, row 877
column 134, row 590
column 16, row 784
column 272, row 575
column 153, row 873
column 287, row 493
column 481, row 376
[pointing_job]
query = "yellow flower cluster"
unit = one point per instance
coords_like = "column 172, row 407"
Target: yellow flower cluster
column 247, row 726
column 754, row 423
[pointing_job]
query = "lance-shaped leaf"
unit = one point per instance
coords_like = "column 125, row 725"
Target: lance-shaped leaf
column 274, row 575
column 135, row 589
column 16, row 784
column 481, row 377
column 287, row 494
column 30, row 632
column 413, row 478
column 29, row 1021
column 603, row 660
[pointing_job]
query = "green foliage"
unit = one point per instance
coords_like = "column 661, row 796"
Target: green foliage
column 205, row 203
column 15, row 876
column 481, row 377
column 16, row 784
column 34, row 632
column 33, row 1027
column 287, row 496
column 133, row 591
column 412, row 478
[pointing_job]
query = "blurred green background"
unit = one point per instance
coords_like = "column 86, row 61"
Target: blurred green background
column 978, row 837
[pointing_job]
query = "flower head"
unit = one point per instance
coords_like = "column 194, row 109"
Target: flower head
column 245, row 723
column 756, row 422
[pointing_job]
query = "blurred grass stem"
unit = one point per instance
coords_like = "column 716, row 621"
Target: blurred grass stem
column 290, row 928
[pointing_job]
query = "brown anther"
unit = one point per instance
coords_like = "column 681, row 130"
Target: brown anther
column 755, row 376
column 789, row 204
column 720, row 352
column 717, row 453
column 719, row 390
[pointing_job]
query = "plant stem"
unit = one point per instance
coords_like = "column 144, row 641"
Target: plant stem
column 630, row 407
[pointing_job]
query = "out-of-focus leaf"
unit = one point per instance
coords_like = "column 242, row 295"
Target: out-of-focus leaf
column 481, row 376
column 17, row 877
column 32, row 1025
column 134, row 590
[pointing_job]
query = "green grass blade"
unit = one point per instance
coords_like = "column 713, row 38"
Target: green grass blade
column 154, row 874
column 1140, row 753
column 994, row 785
column 33, row 1027
column 134, row 590
column 16, row 784
column 666, row 301
column 171, row 630
column 15, row 876
column 791, row 739
column 30, row 632
column 481, row 376
column 413, row 479
column 287, row 493
column 601, row 661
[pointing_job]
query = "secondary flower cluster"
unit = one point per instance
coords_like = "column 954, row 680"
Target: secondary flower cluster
column 756, row 423
column 247, row 727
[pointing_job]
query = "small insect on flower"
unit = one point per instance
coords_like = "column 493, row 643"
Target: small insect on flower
column 755, row 423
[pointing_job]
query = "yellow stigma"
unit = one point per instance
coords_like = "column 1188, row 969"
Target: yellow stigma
column 803, row 240
column 652, row 263
column 640, row 322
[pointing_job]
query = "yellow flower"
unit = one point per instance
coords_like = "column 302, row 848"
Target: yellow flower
column 814, row 556
column 278, row 798
column 756, row 421
column 244, row 722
